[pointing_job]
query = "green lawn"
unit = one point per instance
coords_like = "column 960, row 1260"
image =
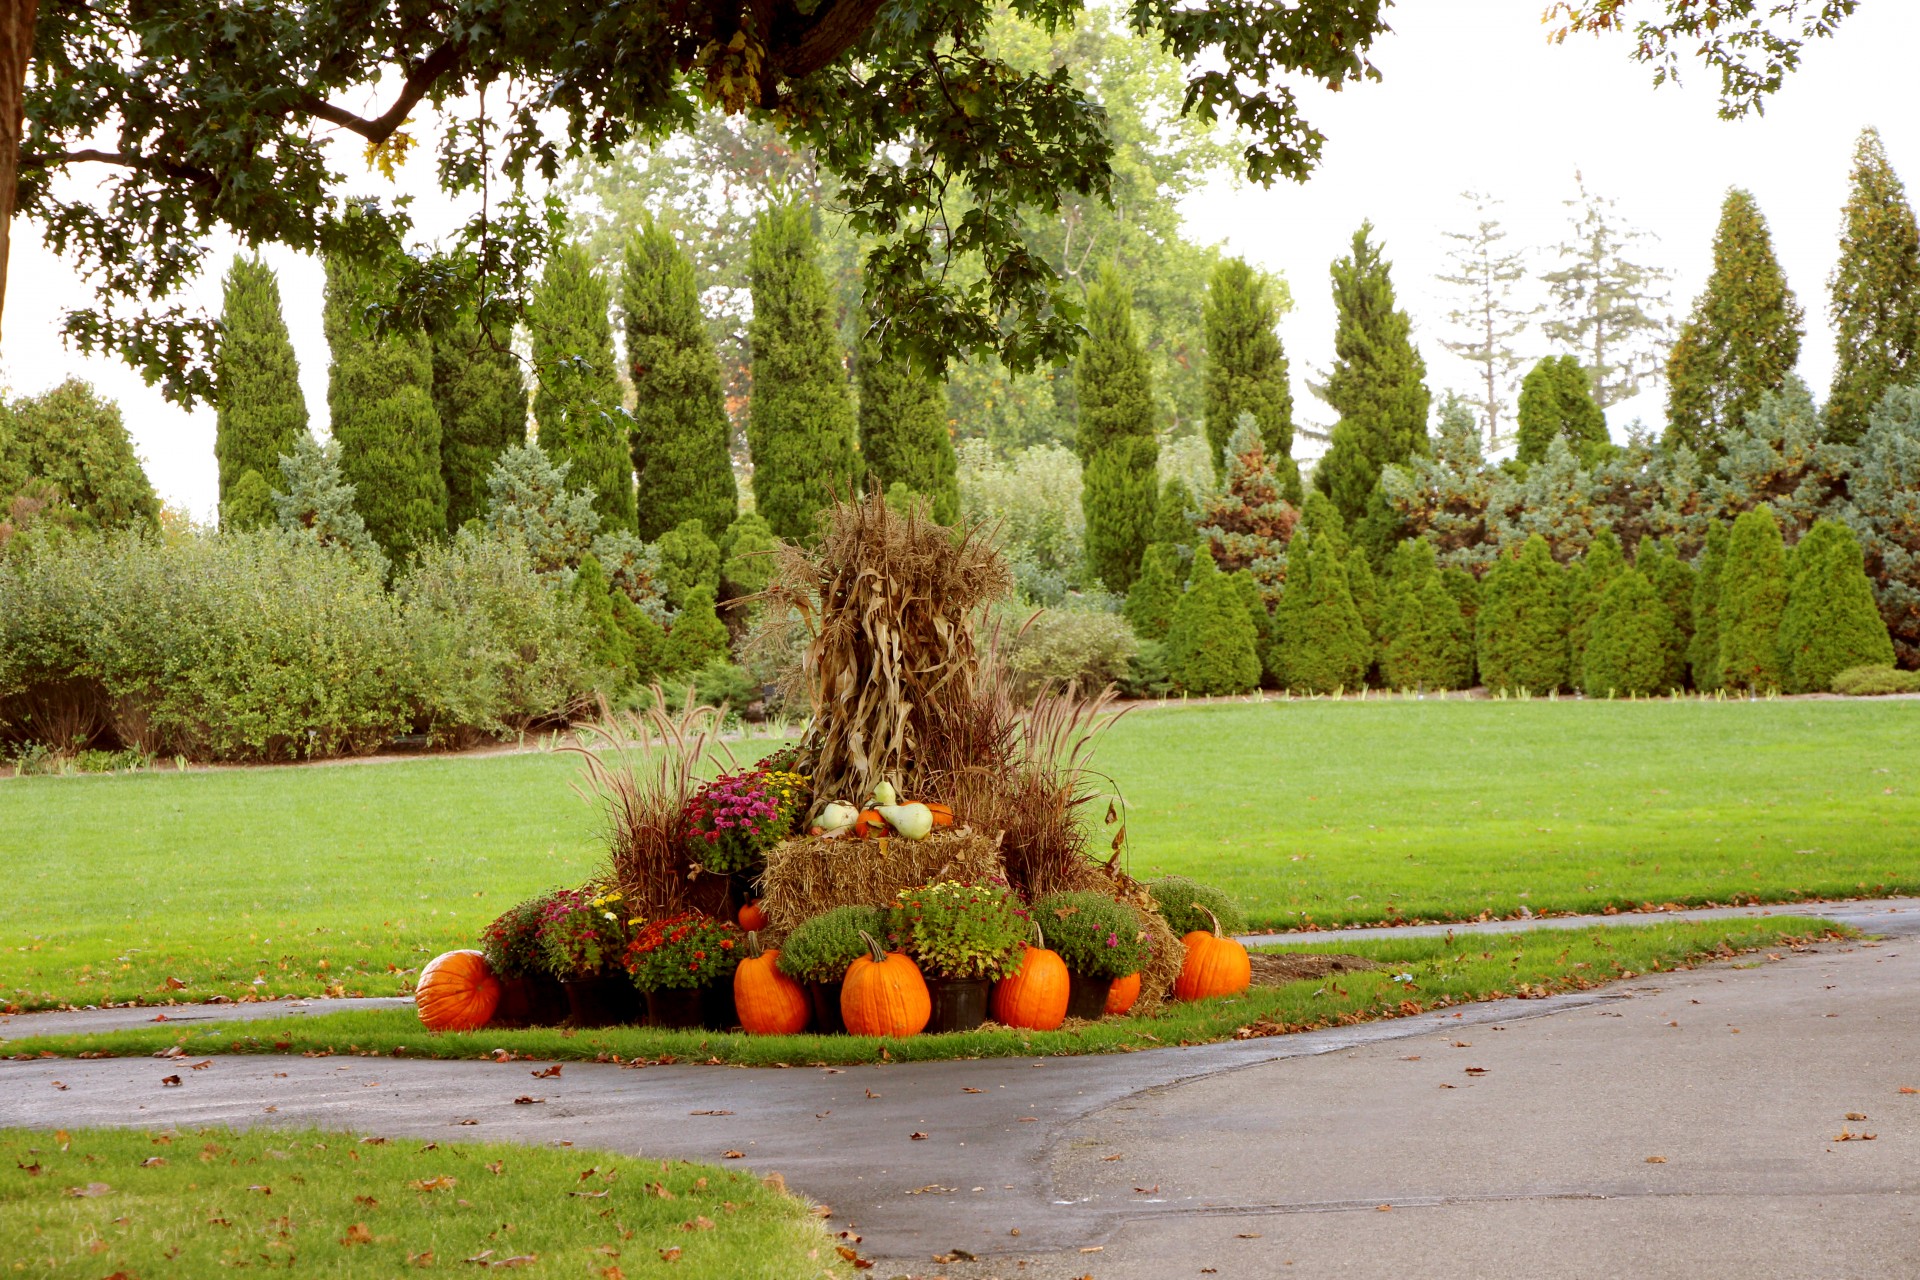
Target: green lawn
column 238, row 882
column 202, row 1202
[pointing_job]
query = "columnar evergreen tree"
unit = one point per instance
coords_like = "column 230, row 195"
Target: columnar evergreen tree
column 800, row 423
column 1115, row 435
column 1831, row 621
column 1378, row 383
column 1249, row 521
column 1365, row 590
column 261, row 411
column 315, row 501
column 1703, row 651
column 1604, row 305
column 1672, row 580
column 1210, row 644
column 1173, row 518
column 1321, row 644
column 1753, row 596
column 1630, row 650
column 1431, row 646
column 482, row 402
column 387, row 432
column 1742, row 339
column 1486, row 319
column 680, row 436
column 1875, row 293
column 689, row 560
column 1521, row 636
column 576, row 408
column 1257, row 611
column 904, row 437
column 1247, row 369
column 698, row 636
column 73, row 439
column 1587, row 581
column 1155, row 593
column 1556, row 399
column 1884, row 510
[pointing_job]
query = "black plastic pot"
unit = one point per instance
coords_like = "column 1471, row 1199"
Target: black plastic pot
column 826, row 1007
column 1087, row 997
column 716, row 1006
column 676, row 1007
column 535, row 1001
column 959, row 1004
column 606, row 1000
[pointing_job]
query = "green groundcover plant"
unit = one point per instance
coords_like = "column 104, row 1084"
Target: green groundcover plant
column 820, row 949
column 1095, row 935
column 682, row 951
column 1181, row 901
column 1875, row 681
column 955, row 930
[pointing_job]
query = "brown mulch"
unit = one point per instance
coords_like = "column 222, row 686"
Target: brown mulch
column 1271, row 970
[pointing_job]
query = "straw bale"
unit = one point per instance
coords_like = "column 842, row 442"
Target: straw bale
column 808, row 875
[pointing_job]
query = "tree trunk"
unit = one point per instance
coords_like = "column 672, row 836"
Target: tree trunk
column 17, row 18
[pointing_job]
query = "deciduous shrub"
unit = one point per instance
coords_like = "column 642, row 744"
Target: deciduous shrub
column 1874, row 682
column 1062, row 645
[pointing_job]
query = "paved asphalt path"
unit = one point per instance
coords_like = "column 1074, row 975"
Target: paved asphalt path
column 1259, row 1158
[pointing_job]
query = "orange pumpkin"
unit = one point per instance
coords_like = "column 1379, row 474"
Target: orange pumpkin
column 942, row 815
column 768, row 1002
column 752, row 918
column 1035, row 997
column 869, row 825
column 883, row 994
column 457, row 992
column 1123, row 992
column 1215, row 965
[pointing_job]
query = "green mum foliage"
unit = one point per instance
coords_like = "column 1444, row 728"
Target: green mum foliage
column 1522, row 626
column 1633, row 640
column 1831, row 622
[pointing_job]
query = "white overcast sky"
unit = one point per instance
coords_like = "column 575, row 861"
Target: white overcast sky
column 1473, row 98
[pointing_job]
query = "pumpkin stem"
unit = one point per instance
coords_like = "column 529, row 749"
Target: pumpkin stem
column 1212, row 917
column 879, row 956
column 1039, row 938
column 753, row 943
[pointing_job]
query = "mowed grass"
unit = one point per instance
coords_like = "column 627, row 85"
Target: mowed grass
column 266, row 882
column 203, row 1202
column 1415, row 975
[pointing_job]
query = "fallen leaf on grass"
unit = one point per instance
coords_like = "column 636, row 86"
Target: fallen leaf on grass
column 853, row 1256
column 357, row 1234
column 701, row 1223
column 420, row 1259
column 155, row 1162
column 368, row 1201
column 443, row 1182
column 589, row 1195
column 495, row 1166
column 670, row 1255
column 89, row 1191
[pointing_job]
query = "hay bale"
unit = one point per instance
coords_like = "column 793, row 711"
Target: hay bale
column 808, row 875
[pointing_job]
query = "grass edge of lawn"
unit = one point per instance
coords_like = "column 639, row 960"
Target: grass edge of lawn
column 1529, row 964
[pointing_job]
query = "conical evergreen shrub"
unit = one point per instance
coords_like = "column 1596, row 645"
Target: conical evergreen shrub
column 576, row 407
column 1556, row 400
column 904, row 437
column 698, row 636
column 609, row 645
column 1210, row 644
column 1521, row 633
column 688, row 560
column 1249, row 521
column 1703, row 650
column 1753, row 596
column 1672, row 580
column 1632, row 641
column 1321, row 643
column 317, row 502
column 249, row 504
column 261, row 412
column 1587, row 581
column 1830, row 622
column 1155, row 594
column 1431, row 644
column 482, row 403
column 1256, row 606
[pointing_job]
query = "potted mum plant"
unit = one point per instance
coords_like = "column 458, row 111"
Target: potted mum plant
column 818, row 953
column 1099, row 939
column 964, row 937
column 684, row 963
column 529, row 995
column 736, row 818
column 583, row 934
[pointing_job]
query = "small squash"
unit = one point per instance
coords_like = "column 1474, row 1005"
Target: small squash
column 1122, row 994
column 768, row 1002
column 1215, row 965
column 753, row 918
column 457, row 992
column 883, row 994
column 1035, row 997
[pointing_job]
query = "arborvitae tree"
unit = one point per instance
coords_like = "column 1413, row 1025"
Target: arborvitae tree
column 73, row 439
column 1249, row 521
column 1115, row 437
column 1556, row 400
column 1365, row 590
column 1884, row 510
column 249, row 505
column 1630, row 650
column 680, row 436
column 1319, row 517
column 1256, row 604
column 384, row 425
column 482, row 402
column 261, row 410
column 1467, row 595
column 1587, row 581
column 1430, row 645
column 800, row 423
column 528, row 499
column 1875, row 291
column 1753, row 596
column 1173, row 518
column 576, row 408
column 746, row 565
column 1155, row 593
column 609, row 645
column 1703, row 651
column 1210, row 644
column 1831, row 621
column 1486, row 319
column 1742, row 339
column 689, row 560
column 1247, row 368
column 317, row 501
column 645, row 636
column 904, row 438
column 698, row 636
column 1321, row 644
column 1672, row 580
column 1521, row 636
column 1604, row 305
column 1378, row 383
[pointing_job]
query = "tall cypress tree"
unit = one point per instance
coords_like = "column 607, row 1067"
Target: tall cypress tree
column 1115, row 435
column 1703, row 651
column 384, row 425
column 1875, row 291
column 261, row 411
column 1522, row 624
column 1831, row 621
column 681, row 436
column 577, row 408
column 482, row 402
column 1247, row 369
column 1742, row 339
column 1378, row 384
column 903, row 431
column 800, row 425
column 1556, row 399
column 1753, row 596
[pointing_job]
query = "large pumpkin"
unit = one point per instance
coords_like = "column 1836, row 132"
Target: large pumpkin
column 457, row 992
column 1215, row 965
column 1035, row 997
column 883, row 994
column 768, row 1002
column 1122, row 994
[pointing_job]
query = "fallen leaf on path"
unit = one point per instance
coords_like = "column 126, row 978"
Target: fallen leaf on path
column 1476, row 1071
column 200, row 1066
column 917, row 1136
column 872, row 1094
column 709, row 1113
column 169, row 1082
column 1848, row 1135
column 853, row 1256
column 1247, row 1235
column 524, row 1101
column 551, row 1073
column 1656, row 1159
column 733, row 1155
column 971, row 1090
column 933, row 1189
column 1856, row 1115
column 1153, row 1190
column 1907, row 1088
column 1092, row 1248
column 1118, row 1155
column 1383, row 1208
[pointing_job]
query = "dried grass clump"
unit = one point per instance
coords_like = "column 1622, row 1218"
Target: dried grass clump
column 889, row 601
column 809, row 875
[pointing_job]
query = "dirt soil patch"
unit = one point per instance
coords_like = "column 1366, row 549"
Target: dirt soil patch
column 1277, row 970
